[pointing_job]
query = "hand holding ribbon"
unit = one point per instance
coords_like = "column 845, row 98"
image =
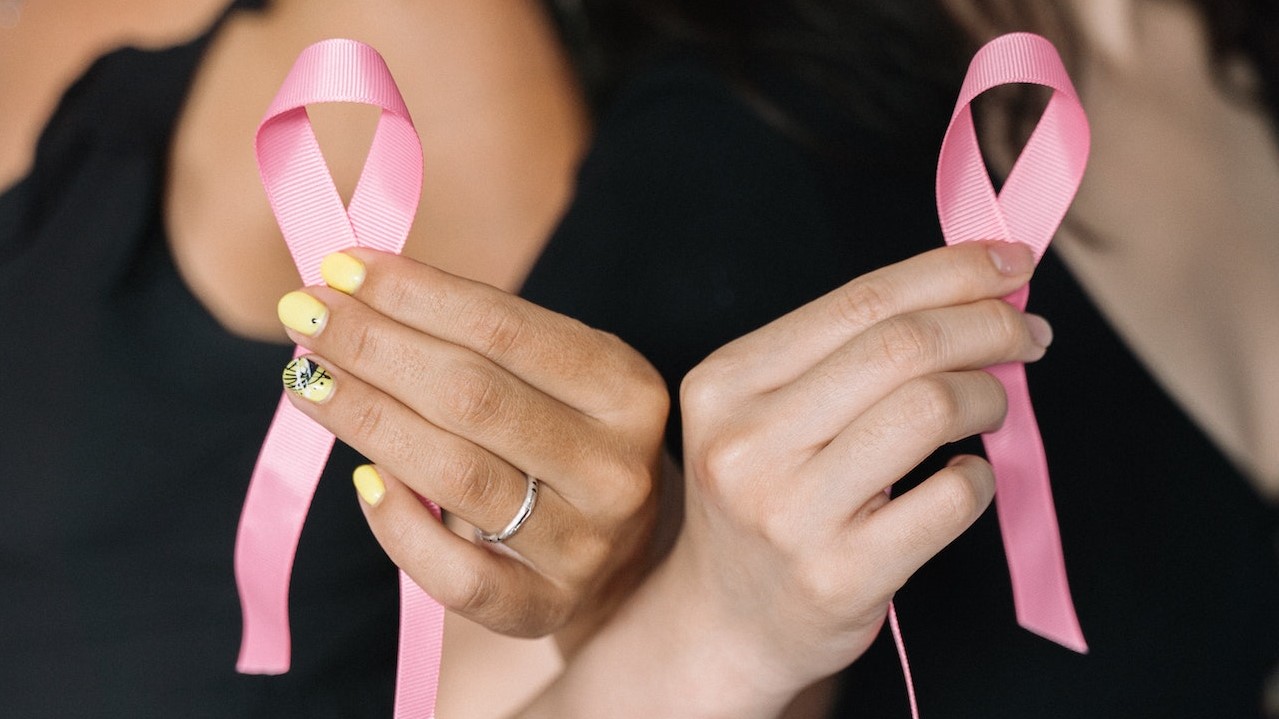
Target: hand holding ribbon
column 315, row 223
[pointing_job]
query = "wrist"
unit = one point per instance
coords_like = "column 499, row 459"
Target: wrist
column 671, row 651
column 715, row 659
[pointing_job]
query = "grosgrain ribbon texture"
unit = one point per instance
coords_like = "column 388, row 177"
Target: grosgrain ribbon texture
column 314, row 224
column 1029, row 208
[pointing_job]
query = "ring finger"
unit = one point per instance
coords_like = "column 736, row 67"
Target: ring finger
column 460, row 476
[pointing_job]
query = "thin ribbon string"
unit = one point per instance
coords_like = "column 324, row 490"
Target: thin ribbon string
column 314, row 224
column 1028, row 209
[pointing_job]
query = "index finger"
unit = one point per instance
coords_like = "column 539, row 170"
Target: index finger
column 784, row 349
column 589, row 370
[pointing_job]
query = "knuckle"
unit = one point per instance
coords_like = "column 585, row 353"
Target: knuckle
column 366, row 344
column 495, row 327
column 629, row 489
column 824, row 583
column 933, row 405
column 641, row 392
column 863, row 303
column 960, row 501
column 1007, row 324
column 470, row 594
column 466, row 480
column 992, row 401
column 393, row 291
column 907, row 343
column 367, row 423
column 473, row 394
column 777, row 528
column 723, row 462
column 703, row 390
column 649, row 393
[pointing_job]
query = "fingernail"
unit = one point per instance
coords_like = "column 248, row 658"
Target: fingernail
column 1011, row 258
column 303, row 313
column 1040, row 331
column 342, row 272
column 369, row 484
column 308, row 380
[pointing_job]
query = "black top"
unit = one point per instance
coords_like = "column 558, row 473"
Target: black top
column 123, row 479
column 695, row 221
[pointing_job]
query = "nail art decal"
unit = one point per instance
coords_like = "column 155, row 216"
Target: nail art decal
column 308, row 380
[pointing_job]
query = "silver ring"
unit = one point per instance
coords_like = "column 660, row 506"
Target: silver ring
column 530, row 501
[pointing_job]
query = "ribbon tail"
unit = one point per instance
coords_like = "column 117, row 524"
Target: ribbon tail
column 1028, row 518
column 421, row 638
column 280, row 493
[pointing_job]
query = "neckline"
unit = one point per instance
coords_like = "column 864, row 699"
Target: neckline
column 20, row 187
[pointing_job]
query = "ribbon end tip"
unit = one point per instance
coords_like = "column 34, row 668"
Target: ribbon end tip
column 1072, row 639
column 260, row 669
column 1079, row 646
column 256, row 661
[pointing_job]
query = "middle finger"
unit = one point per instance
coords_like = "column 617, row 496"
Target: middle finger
column 827, row 398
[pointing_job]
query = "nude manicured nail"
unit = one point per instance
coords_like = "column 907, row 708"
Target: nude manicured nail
column 308, row 380
column 342, row 272
column 369, row 484
column 303, row 313
column 1011, row 258
column 1040, row 331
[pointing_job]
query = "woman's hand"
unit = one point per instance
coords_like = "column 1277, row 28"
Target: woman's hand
column 791, row 549
column 456, row 391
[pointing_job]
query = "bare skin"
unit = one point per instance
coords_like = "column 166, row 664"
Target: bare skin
column 1180, row 192
column 767, row 592
column 456, row 390
column 489, row 91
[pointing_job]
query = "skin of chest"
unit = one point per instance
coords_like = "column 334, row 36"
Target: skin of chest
column 1172, row 232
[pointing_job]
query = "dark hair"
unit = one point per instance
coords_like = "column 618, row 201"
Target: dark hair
column 1238, row 31
column 1247, row 30
column 877, row 60
column 883, row 61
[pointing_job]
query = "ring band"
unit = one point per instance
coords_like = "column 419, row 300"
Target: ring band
column 530, row 501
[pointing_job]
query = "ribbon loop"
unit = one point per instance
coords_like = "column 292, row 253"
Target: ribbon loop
column 1043, row 181
column 296, row 177
column 314, row 224
column 1028, row 209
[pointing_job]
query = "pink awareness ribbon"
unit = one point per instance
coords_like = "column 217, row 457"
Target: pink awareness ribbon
column 314, row 224
column 1028, row 209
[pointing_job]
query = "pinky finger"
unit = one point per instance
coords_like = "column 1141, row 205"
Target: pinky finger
column 499, row 592
column 912, row 528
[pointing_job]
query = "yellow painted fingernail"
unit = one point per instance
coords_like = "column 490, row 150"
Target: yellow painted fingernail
column 303, row 313
column 342, row 272
column 369, row 484
column 308, row 380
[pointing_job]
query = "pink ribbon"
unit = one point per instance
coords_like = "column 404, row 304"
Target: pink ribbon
column 314, row 224
column 1028, row 209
